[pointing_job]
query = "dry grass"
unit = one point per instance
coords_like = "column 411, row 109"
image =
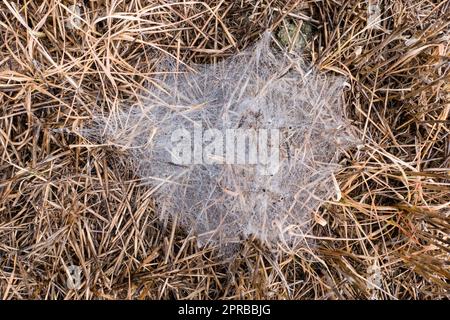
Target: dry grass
column 63, row 201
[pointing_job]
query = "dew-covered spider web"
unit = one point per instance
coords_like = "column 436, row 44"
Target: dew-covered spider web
column 257, row 89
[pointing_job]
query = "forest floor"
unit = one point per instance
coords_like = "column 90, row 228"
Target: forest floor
column 65, row 201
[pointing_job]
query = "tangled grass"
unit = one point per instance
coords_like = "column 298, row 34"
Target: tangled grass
column 67, row 201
